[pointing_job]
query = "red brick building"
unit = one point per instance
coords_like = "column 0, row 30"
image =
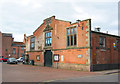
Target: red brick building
column 18, row 49
column 9, row 48
column 105, row 51
column 6, row 41
column 62, row 44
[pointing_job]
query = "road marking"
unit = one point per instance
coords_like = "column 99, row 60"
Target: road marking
column 49, row 80
column 56, row 79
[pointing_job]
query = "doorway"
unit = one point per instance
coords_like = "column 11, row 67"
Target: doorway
column 48, row 58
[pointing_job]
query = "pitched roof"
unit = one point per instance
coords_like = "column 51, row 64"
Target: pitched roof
column 105, row 34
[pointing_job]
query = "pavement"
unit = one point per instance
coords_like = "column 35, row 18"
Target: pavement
column 109, row 71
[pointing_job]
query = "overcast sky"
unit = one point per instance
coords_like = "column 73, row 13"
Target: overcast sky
column 24, row 16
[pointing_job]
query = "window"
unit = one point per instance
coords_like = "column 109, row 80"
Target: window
column 21, row 48
column 38, row 57
column 117, row 43
column 32, row 43
column 82, row 26
column 102, row 41
column 14, row 50
column 48, row 38
column 24, row 51
column 71, row 36
column 22, row 55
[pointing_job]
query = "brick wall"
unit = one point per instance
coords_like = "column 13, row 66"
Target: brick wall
column 19, row 51
column 6, row 46
column 107, row 55
column 71, row 56
column 33, row 56
column 28, row 44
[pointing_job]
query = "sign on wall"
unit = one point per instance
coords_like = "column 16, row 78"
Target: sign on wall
column 114, row 45
column 79, row 56
column 38, row 57
column 56, row 57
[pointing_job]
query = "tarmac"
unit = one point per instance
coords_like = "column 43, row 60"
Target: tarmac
column 29, row 73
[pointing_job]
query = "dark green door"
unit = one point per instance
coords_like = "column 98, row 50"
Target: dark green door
column 48, row 58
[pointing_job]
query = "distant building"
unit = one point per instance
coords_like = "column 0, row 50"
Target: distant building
column 6, row 41
column 62, row 44
column 9, row 48
column 18, row 49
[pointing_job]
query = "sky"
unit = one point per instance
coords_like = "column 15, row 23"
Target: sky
column 21, row 17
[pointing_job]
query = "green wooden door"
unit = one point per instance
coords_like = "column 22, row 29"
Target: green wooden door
column 48, row 58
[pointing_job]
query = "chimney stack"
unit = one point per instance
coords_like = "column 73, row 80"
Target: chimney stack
column 78, row 21
column 107, row 32
column 24, row 40
column 97, row 29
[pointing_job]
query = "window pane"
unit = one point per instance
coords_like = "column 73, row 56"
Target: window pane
column 67, row 40
column 50, row 33
column 75, row 30
column 71, row 30
column 48, row 41
column 32, row 39
column 14, row 50
column 21, row 48
column 82, row 27
column 71, row 40
column 32, row 45
column 45, row 34
column 75, row 40
column 68, row 31
column 102, row 42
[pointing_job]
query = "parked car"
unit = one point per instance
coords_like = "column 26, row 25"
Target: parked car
column 5, row 59
column 20, row 59
column 12, row 61
column 2, row 59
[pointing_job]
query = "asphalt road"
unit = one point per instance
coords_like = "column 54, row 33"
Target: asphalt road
column 98, row 78
column 29, row 73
